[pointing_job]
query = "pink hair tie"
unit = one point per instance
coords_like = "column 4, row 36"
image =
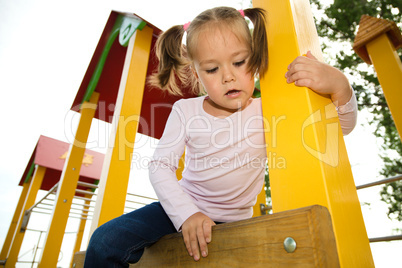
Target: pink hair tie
column 186, row 25
column 241, row 12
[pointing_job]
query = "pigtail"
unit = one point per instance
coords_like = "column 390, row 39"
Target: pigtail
column 173, row 64
column 259, row 57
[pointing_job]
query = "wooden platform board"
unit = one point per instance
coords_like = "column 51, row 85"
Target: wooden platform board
column 256, row 242
column 78, row 260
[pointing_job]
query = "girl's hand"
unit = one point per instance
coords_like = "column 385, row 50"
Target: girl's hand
column 322, row 78
column 197, row 234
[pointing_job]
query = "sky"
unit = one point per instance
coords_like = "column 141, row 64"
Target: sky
column 45, row 49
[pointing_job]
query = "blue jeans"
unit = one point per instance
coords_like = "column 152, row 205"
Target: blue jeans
column 122, row 240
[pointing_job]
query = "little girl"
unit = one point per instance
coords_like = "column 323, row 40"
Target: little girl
column 220, row 132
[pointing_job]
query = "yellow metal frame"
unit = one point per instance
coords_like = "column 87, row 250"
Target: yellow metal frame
column 14, row 222
column 388, row 67
column 304, row 135
column 67, row 186
column 114, row 179
column 81, row 227
column 18, row 237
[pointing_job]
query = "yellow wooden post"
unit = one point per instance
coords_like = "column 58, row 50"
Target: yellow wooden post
column 180, row 169
column 14, row 222
column 81, row 227
column 376, row 42
column 261, row 199
column 389, row 71
column 67, row 186
column 113, row 183
column 34, row 186
column 308, row 162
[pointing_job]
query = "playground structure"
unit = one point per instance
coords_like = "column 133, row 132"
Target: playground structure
column 43, row 172
column 116, row 78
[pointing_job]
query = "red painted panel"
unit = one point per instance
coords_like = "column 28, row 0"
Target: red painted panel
column 109, row 81
column 51, row 154
column 156, row 105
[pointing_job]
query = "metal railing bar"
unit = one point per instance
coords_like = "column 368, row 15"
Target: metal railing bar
column 79, row 209
column 385, row 238
column 49, row 192
column 84, row 198
column 387, row 180
column 83, row 209
column 40, row 212
column 47, row 204
column 136, row 202
column 81, row 214
column 71, row 232
column 84, row 192
column 130, row 208
column 136, row 195
column 44, row 208
column 48, row 200
column 34, row 230
column 86, row 184
column 82, row 204
column 81, row 218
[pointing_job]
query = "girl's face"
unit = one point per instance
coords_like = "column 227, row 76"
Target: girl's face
column 220, row 62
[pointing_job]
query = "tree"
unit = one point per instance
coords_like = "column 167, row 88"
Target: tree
column 338, row 23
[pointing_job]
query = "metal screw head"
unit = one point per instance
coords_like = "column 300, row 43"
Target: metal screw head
column 289, row 244
column 65, row 200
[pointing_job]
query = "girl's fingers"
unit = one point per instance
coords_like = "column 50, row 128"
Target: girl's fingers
column 186, row 239
column 295, row 76
column 310, row 55
column 197, row 234
column 194, row 246
column 202, row 242
column 207, row 226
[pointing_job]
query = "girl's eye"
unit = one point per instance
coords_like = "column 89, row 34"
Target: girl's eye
column 239, row 63
column 211, row 71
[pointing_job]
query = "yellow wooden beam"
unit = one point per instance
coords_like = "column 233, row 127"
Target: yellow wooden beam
column 67, row 186
column 180, row 169
column 261, row 199
column 376, row 42
column 18, row 237
column 81, row 227
column 114, row 179
column 388, row 67
column 309, row 163
column 14, row 222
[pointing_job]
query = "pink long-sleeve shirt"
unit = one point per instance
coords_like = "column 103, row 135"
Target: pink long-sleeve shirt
column 225, row 160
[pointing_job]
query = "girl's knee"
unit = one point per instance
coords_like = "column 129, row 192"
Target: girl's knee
column 102, row 236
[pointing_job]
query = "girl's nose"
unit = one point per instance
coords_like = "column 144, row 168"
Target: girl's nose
column 228, row 76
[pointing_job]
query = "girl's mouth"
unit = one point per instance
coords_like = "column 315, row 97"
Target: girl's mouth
column 232, row 92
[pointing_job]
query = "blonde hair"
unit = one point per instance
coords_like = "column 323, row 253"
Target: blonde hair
column 175, row 59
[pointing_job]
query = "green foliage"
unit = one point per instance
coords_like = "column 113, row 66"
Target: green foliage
column 339, row 24
column 392, row 195
column 267, row 187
